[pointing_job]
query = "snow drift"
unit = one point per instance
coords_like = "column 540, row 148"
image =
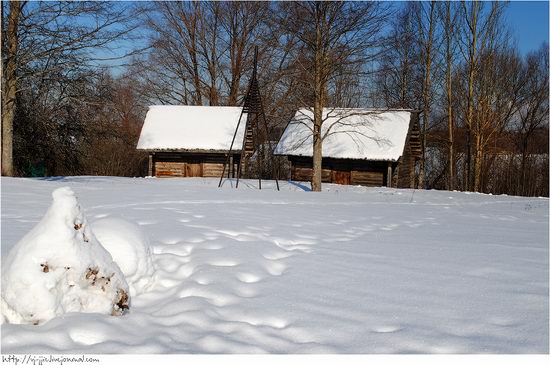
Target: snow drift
column 60, row 267
column 129, row 247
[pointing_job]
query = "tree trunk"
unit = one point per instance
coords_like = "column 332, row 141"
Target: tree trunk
column 212, row 63
column 192, row 28
column 317, row 137
column 236, row 70
column 238, row 36
column 472, row 60
column 10, row 89
column 403, row 100
column 317, row 159
column 318, row 105
column 449, row 84
column 426, row 95
column 478, row 161
column 523, row 172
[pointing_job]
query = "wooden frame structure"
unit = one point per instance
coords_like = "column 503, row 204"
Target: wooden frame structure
column 254, row 137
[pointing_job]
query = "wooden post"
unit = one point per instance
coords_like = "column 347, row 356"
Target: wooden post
column 231, row 172
column 150, row 168
column 290, row 167
column 389, row 177
column 412, row 172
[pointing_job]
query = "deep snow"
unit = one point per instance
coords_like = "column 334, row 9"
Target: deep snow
column 349, row 270
column 131, row 250
column 59, row 267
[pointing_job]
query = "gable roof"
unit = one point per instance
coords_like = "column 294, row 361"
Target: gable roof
column 191, row 128
column 365, row 134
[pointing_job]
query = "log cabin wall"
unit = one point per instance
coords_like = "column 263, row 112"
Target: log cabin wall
column 342, row 171
column 188, row 164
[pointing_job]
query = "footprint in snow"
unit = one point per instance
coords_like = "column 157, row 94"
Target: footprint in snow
column 248, row 278
column 147, row 222
column 387, row 329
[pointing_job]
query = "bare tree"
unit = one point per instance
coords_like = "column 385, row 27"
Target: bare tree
column 426, row 23
column 10, row 40
column 244, row 26
column 532, row 114
column 397, row 78
column 333, row 36
column 200, row 52
column 109, row 146
column 498, row 90
column 48, row 46
column 449, row 18
column 481, row 33
column 171, row 70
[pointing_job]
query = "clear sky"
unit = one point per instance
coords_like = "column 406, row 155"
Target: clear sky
column 529, row 22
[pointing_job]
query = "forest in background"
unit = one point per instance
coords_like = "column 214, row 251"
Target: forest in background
column 484, row 107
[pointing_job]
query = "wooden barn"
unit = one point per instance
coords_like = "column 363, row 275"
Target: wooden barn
column 191, row 141
column 361, row 147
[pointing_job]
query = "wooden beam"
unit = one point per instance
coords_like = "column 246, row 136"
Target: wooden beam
column 389, row 177
column 150, row 167
column 412, row 173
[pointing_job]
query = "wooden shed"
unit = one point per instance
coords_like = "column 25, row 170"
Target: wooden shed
column 191, row 141
column 361, row 146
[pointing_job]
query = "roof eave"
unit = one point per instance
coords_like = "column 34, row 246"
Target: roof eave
column 187, row 150
column 342, row 158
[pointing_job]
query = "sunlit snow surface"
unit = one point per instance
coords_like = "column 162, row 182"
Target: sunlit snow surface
column 349, row 270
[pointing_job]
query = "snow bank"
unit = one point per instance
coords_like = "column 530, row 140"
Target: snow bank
column 60, row 267
column 129, row 246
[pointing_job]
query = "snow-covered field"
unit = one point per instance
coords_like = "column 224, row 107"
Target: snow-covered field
column 349, row 270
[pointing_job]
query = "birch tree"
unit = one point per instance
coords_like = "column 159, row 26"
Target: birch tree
column 479, row 34
column 426, row 20
column 449, row 18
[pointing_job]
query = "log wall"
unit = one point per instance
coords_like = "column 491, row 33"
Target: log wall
column 341, row 171
column 173, row 164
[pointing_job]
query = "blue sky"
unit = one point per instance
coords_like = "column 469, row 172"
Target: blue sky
column 529, row 22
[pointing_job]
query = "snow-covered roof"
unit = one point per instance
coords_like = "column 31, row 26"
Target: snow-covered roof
column 352, row 133
column 182, row 127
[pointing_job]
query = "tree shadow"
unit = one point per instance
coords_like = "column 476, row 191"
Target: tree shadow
column 301, row 186
column 52, row 178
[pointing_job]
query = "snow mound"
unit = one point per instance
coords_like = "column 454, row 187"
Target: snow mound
column 129, row 246
column 60, row 267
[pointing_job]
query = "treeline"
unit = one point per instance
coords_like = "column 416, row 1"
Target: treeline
column 484, row 107
column 62, row 113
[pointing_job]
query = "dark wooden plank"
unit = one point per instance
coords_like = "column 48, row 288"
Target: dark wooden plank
column 341, row 177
